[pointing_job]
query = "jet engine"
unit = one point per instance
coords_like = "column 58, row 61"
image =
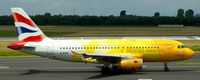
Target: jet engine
column 130, row 64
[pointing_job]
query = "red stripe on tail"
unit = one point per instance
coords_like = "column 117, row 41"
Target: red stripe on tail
column 16, row 46
column 34, row 38
column 19, row 18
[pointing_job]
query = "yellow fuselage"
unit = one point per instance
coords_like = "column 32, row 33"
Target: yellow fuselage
column 150, row 50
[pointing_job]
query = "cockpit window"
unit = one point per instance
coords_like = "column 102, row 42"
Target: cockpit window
column 182, row 46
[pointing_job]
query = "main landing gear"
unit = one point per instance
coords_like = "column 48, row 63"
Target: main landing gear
column 166, row 69
column 109, row 68
column 105, row 69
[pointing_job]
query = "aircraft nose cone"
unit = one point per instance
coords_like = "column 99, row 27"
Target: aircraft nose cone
column 190, row 53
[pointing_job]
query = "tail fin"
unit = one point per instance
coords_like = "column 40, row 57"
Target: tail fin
column 27, row 30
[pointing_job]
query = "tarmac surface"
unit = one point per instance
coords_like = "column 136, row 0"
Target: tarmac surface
column 139, row 37
column 46, row 69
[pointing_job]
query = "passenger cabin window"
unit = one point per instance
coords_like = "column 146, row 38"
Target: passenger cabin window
column 182, row 46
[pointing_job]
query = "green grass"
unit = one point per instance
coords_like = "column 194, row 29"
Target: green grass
column 51, row 34
column 55, row 34
column 106, row 31
column 8, row 33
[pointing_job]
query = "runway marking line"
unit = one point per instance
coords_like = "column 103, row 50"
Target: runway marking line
column 188, row 63
column 19, row 56
column 145, row 79
column 11, row 72
column 57, row 68
column 28, row 61
column 192, row 71
column 4, row 67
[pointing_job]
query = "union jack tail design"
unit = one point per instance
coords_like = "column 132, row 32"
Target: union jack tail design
column 27, row 30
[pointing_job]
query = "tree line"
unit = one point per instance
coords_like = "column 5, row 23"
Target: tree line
column 185, row 18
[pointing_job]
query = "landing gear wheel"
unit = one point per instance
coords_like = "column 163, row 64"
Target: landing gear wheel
column 166, row 69
column 105, row 70
column 115, row 70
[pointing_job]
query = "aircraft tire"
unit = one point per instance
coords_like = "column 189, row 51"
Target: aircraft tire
column 105, row 70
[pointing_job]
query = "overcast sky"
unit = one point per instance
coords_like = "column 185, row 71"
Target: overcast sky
column 100, row 7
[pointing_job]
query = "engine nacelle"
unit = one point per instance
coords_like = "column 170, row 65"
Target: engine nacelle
column 130, row 64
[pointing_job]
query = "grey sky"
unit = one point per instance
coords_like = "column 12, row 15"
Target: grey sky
column 100, row 7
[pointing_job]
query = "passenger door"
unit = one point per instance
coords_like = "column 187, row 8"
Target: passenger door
column 50, row 51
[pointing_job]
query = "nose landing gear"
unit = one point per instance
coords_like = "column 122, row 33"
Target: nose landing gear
column 166, row 69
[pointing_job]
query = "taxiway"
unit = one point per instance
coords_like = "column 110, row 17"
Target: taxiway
column 47, row 69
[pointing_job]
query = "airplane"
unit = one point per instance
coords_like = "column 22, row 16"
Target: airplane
column 114, row 54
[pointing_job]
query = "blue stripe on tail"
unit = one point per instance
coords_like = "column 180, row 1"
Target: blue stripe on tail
column 22, row 30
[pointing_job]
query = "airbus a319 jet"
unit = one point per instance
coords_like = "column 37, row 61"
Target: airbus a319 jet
column 114, row 54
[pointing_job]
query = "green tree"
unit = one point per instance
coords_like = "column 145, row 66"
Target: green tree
column 180, row 13
column 47, row 14
column 156, row 14
column 123, row 13
column 189, row 13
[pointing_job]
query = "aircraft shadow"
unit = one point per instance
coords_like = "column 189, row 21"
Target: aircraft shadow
column 163, row 70
column 115, row 74
column 30, row 72
column 40, row 71
column 142, row 72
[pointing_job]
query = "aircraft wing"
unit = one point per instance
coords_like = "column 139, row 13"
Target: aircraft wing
column 107, row 55
column 104, row 57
